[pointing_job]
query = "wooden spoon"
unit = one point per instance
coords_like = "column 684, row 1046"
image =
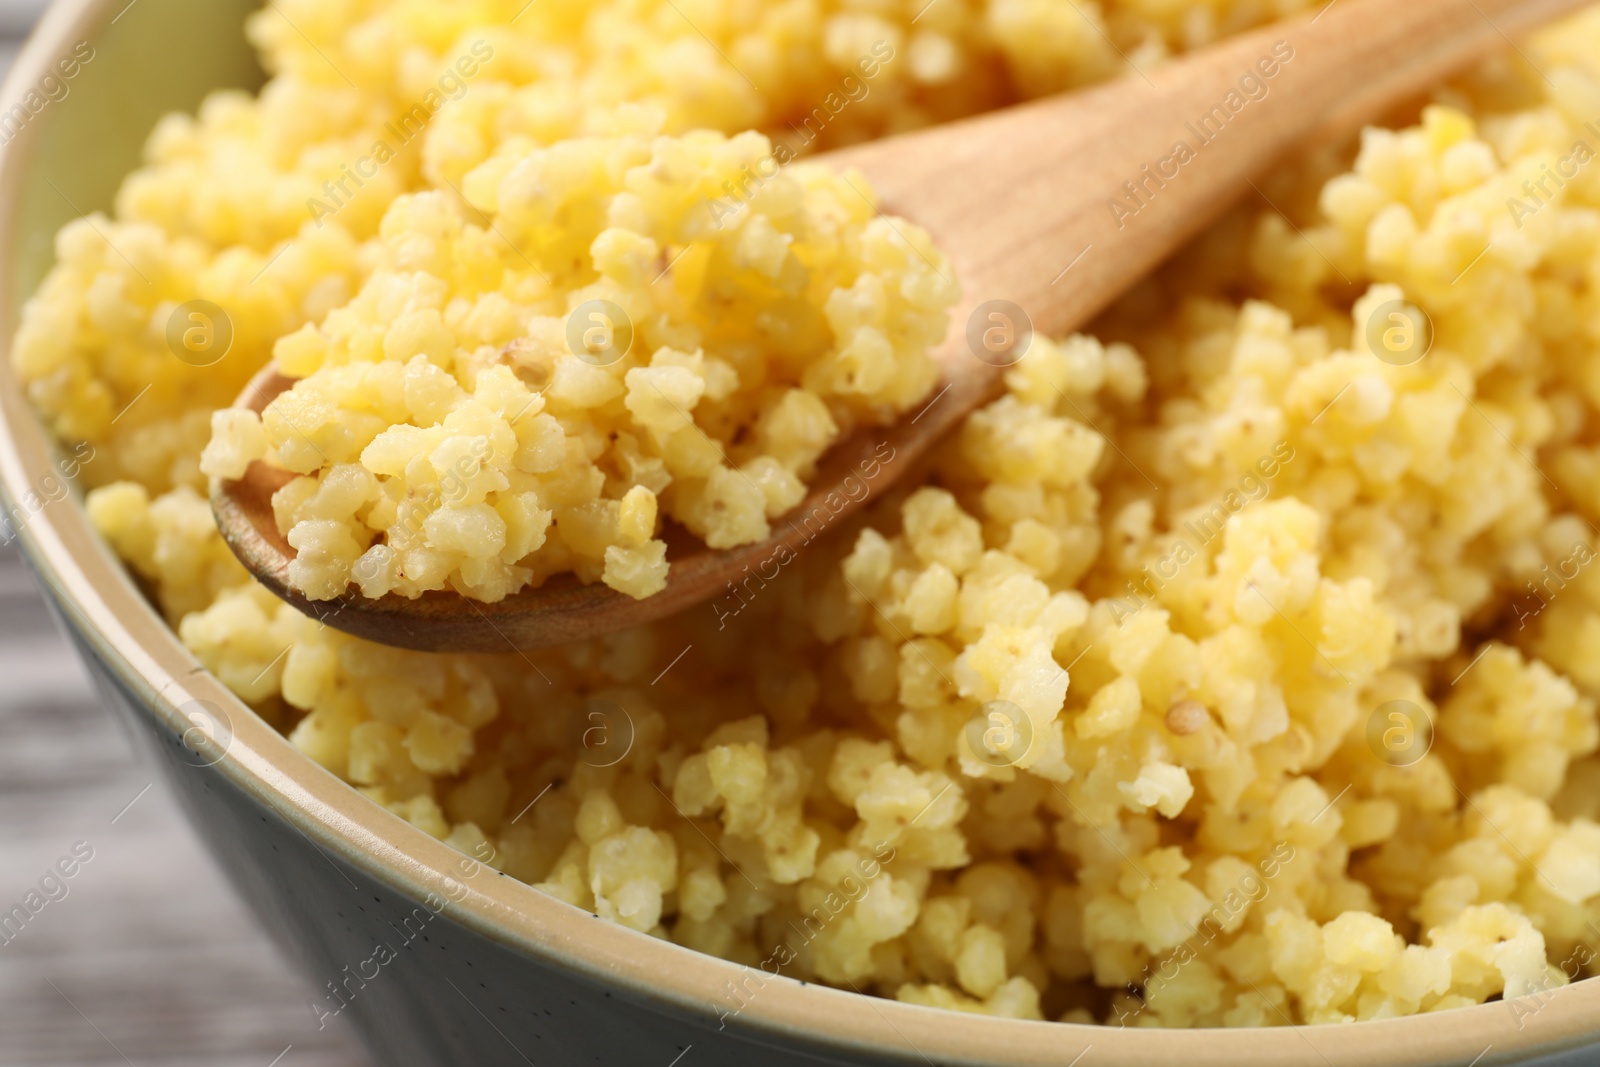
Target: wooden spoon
column 1052, row 208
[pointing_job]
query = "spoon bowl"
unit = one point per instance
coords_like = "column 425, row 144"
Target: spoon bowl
column 563, row 608
column 1048, row 211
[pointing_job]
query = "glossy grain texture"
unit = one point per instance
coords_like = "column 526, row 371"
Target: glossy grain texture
column 1048, row 212
column 562, row 987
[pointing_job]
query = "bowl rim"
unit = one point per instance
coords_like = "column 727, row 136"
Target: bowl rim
column 99, row 600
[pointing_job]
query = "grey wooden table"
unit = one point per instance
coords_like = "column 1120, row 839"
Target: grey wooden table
column 149, row 960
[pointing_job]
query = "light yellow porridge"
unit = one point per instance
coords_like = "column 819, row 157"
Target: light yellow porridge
column 685, row 328
column 1237, row 667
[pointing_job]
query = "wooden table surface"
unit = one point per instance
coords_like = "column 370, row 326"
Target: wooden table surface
column 150, row 960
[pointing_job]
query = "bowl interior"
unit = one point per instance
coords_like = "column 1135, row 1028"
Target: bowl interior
column 145, row 64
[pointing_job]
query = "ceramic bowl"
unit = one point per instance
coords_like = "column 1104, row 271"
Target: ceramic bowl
column 438, row 960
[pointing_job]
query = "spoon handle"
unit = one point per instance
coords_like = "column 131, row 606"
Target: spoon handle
column 1061, row 205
